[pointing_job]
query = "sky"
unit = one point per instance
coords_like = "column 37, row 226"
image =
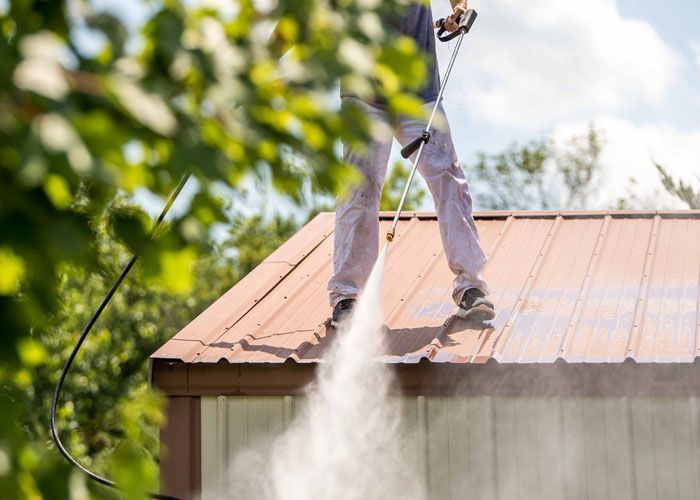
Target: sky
column 551, row 68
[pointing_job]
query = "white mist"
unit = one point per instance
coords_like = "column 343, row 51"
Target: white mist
column 346, row 442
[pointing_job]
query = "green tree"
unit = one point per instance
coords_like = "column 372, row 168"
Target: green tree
column 106, row 404
column 254, row 238
column 78, row 127
column 538, row 175
column 394, row 186
column 682, row 190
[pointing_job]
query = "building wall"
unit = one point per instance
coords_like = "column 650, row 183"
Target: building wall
column 502, row 448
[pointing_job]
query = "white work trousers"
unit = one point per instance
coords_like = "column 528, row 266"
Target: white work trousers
column 356, row 237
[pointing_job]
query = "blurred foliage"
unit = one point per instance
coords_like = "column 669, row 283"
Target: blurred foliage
column 107, row 416
column 539, row 175
column 680, row 189
column 256, row 236
column 394, row 186
column 195, row 90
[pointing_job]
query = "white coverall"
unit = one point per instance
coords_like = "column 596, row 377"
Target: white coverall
column 356, row 236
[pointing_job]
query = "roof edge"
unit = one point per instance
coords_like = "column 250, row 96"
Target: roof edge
column 550, row 214
column 489, row 379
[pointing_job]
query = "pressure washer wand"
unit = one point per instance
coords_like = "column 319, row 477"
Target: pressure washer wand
column 465, row 25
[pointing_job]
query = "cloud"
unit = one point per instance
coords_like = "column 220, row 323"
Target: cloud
column 529, row 65
column 695, row 49
column 630, row 149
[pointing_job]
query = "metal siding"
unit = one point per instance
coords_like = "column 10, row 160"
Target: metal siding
column 642, row 428
column 694, row 440
column 506, row 448
column 210, row 441
column 548, row 416
column 594, row 445
column 480, row 448
column 579, row 286
column 684, row 450
column 438, row 448
column 618, row 448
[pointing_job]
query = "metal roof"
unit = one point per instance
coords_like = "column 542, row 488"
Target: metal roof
column 593, row 287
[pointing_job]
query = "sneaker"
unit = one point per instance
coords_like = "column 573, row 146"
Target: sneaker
column 475, row 307
column 342, row 311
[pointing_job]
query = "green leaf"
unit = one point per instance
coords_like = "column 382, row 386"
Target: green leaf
column 12, row 271
column 176, row 269
column 31, row 352
column 58, row 191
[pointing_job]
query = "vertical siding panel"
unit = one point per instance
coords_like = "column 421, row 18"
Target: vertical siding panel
column 298, row 406
column 288, row 402
column 237, row 424
column 694, row 415
column 438, row 449
column 594, row 446
column 275, row 415
column 617, row 449
column 684, row 448
column 210, row 440
column 223, row 449
column 237, row 432
column 422, row 436
column 527, row 446
column 257, row 421
column 664, row 449
column 458, row 425
column 409, row 426
column 574, row 457
column 481, row 449
column 413, row 436
column 506, row 457
column 643, row 448
column 549, row 448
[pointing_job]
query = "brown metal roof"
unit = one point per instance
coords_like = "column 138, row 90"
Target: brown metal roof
column 588, row 287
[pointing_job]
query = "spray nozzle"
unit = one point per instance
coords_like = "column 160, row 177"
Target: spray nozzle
column 390, row 235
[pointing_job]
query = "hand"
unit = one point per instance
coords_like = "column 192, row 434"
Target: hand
column 452, row 22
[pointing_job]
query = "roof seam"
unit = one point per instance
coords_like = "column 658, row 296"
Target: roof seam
column 527, row 287
column 568, row 338
column 685, row 278
column 312, row 278
column 494, row 248
column 640, row 307
column 618, row 303
column 280, row 280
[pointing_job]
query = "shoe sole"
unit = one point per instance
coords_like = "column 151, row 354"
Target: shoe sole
column 477, row 313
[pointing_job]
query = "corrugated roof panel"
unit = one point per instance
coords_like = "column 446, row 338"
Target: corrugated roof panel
column 603, row 327
column 510, row 273
column 235, row 303
column 285, row 308
column 663, row 335
column 539, row 331
column 577, row 286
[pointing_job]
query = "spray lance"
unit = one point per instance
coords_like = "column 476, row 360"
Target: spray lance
column 465, row 23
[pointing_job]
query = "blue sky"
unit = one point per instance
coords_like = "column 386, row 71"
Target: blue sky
column 551, row 67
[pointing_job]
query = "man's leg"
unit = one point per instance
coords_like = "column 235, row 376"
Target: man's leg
column 356, row 236
column 440, row 168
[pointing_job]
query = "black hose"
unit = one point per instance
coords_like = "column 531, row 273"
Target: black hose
column 83, row 336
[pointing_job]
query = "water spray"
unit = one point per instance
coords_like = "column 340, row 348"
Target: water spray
column 465, row 24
